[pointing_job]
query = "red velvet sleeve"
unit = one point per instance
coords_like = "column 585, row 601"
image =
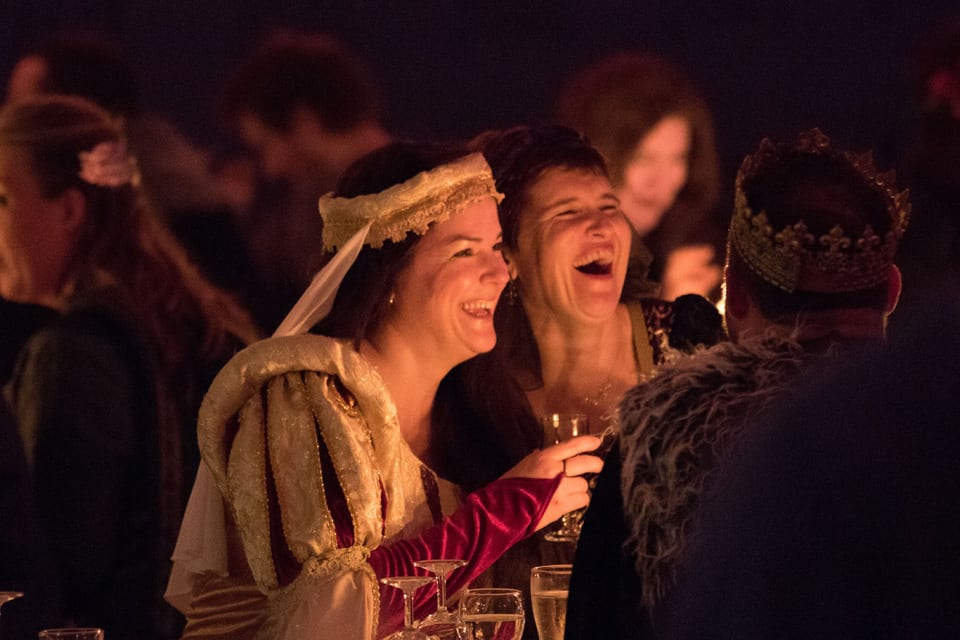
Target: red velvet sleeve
column 489, row 522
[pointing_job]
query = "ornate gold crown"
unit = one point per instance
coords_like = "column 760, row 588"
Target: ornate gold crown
column 428, row 197
column 792, row 258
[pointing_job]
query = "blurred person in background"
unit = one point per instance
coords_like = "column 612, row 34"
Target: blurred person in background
column 105, row 394
column 931, row 166
column 307, row 107
column 176, row 175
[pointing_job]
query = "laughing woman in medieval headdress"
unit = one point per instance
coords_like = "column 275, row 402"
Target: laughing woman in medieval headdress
column 324, row 446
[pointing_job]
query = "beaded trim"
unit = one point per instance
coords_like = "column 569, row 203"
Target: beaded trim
column 428, row 197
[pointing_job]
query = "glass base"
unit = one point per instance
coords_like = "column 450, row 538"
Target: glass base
column 407, row 634
column 439, row 630
column 562, row 536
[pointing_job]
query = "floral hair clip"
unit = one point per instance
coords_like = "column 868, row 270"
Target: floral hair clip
column 108, row 165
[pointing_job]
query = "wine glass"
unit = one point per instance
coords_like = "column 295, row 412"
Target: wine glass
column 443, row 623
column 7, row 596
column 491, row 614
column 558, row 427
column 549, row 586
column 408, row 585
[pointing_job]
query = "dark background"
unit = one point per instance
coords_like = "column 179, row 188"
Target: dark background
column 451, row 69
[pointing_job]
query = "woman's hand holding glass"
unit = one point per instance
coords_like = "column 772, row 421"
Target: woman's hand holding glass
column 571, row 458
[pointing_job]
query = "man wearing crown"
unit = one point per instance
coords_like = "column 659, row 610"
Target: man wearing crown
column 809, row 277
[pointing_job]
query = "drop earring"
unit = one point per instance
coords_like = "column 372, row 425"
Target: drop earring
column 512, row 294
column 392, row 298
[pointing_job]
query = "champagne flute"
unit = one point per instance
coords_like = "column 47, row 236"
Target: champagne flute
column 7, row 596
column 549, row 586
column 408, row 585
column 558, row 427
column 491, row 614
column 443, row 623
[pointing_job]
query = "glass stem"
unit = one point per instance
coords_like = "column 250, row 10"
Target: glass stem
column 441, row 592
column 407, row 610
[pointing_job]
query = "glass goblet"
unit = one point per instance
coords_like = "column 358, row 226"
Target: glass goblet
column 549, row 586
column 491, row 614
column 558, row 427
column 408, row 585
column 7, row 596
column 443, row 623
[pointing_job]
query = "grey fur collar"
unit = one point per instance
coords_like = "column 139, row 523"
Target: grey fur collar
column 674, row 430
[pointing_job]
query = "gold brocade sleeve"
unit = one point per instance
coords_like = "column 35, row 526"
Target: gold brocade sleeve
column 264, row 426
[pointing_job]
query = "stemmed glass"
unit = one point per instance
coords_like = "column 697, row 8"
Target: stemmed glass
column 443, row 623
column 408, row 585
column 558, row 427
column 7, row 596
column 491, row 614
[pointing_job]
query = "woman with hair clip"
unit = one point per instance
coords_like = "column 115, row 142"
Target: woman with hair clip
column 105, row 394
column 326, row 448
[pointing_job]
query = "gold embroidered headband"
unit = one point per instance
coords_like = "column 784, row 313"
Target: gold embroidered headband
column 792, row 258
column 428, row 197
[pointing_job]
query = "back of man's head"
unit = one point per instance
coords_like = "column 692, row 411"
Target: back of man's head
column 814, row 229
column 290, row 70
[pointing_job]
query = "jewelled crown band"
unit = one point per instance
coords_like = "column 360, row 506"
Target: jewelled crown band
column 429, row 197
column 792, row 258
column 108, row 165
column 412, row 206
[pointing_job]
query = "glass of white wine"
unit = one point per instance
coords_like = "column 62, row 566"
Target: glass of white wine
column 443, row 623
column 491, row 614
column 549, row 586
column 558, row 427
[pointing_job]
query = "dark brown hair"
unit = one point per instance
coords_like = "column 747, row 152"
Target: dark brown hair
column 618, row 100
column 89, row 64
column 290, row 69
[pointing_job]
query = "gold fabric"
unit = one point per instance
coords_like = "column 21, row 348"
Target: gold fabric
column 642, row 349
column 428, row 197
column 262, row 424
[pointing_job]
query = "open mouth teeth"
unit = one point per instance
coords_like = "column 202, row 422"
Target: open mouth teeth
column 596, row 268
column 595, row 263
column 478, row 308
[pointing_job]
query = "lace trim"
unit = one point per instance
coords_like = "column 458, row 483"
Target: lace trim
column 412, row 206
